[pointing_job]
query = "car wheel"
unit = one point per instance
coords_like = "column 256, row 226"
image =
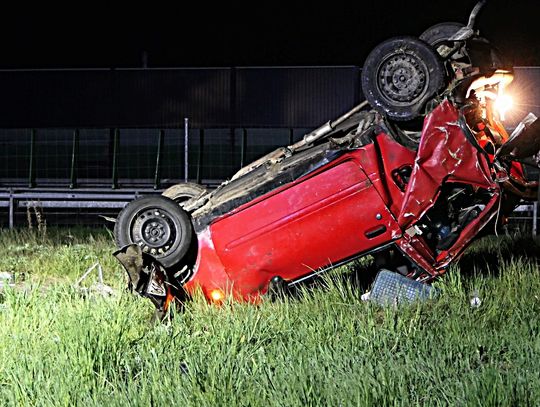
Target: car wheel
column 181, row 193
column 400, row 75
column 440, row 33
column 158, row 225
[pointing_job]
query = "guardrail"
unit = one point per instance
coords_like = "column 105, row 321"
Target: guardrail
column 81, row 199
column 116, row 199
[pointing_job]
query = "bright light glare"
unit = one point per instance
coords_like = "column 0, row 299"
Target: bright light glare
column 217, row 295
column 503, row 103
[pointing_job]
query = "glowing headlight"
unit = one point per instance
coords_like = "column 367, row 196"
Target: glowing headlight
column 503, row 103
column 492, row 88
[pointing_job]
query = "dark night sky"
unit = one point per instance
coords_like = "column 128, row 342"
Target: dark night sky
column 233, row 35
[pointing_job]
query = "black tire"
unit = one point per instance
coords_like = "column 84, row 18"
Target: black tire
column 400, row 75
column 440, row 33
column 158, row 225
column 181, row 193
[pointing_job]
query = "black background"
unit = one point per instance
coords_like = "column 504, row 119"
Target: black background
column 230, row 34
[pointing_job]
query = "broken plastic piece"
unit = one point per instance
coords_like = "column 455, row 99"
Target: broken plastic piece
column 391, row 288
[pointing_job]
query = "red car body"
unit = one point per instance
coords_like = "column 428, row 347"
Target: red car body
column 420, row 174
column 343, row 210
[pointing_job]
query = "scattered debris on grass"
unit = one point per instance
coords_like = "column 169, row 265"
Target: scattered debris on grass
column 475, row 299
column 6, row 280
column 99, row 286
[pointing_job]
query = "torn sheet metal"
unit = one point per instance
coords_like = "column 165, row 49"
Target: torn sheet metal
column 443, row 156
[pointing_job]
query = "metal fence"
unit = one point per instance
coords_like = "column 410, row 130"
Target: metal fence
column 77, row 142
column 74, row 175
column 69, row 139
column 120, row 158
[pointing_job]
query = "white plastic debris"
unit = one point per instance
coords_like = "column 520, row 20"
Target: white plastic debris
column 98, row 287
column 102, row 289
column 475, row 300
column 6, row 279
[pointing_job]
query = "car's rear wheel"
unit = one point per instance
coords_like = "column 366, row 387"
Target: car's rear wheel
column 400, row 75
column 158, row 225
column 182, row 193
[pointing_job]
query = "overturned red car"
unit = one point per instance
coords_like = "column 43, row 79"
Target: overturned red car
column 418, row 170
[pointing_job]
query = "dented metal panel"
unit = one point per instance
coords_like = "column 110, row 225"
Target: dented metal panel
column 337, row 202
column 444, row 155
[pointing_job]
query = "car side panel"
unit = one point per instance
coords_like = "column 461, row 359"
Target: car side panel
column 311, row 223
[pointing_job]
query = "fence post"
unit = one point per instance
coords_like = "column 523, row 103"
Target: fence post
column 200, row 156
column 535, row 219
column 157, row 174
column 32, row 167
column 74, row 159
column 116, row 136
column 186, row 148
column 11, row 209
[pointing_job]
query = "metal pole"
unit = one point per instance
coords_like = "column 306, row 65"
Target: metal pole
column 186, row 148
column 32, row 169
column 200, row 156
column 157, row 174
column 116, row 136
column 535, row 219
column 74, row 159
column 11, row 209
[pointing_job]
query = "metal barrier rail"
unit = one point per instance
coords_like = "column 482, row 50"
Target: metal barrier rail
column 89, row 199
column 117, row 199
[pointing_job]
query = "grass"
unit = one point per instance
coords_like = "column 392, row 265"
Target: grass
column 327, row 347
